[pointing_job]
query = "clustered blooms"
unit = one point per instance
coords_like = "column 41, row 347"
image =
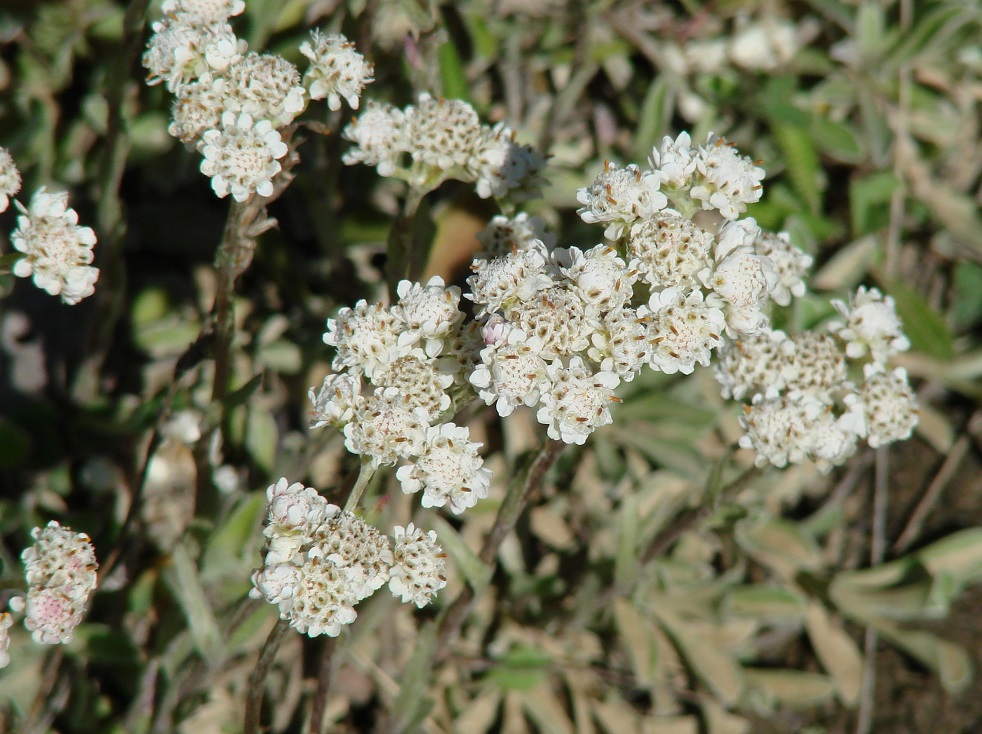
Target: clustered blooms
column 320, row 561
column 803, row 404
column 60, row 569
column 231, row 104
column 56, row 251
column 436, row 140
column 399, row 372
column 6, row 622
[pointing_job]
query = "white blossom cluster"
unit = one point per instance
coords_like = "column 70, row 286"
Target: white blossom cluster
column 60, row 569
column 230, row 103
column 805, row 404
column 56, row 251
column 9, row 178
column 436, row 140
column 320, row 562
column 398, row 373
column 6, row 622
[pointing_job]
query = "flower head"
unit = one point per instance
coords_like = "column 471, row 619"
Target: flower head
column 336, row 70
column 6, row 622
column 386, row 428
column 727, row 181
column 242, row 156
column 619, row 197
column 683, row 329
column 266, row 86
column 203, row 11
column 576, row 401
column 870, row 325
column 419, row 569
column 181, row 49
column 379, row 134
column 57, row 252
column 9, row 178
column 336, row 401
column 60, row 569
column 448, row 469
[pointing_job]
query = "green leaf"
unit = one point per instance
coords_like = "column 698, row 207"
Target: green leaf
column 802, row 163
column 455, row 85
column 15, row 444
column 933, row 29
column 521, row 668
column 869, row 202
column 780, row 544
column 634, row 629
column 836, row 139
column 764, row 603
column 232, row 546
column 467, row 561
column 959, row 556
column 791, row 688
column 870, row 29
column 966, row 305
column 412, row 705
column 185, row 584
column 626, row 563
column 262, row 437
column 927, row 330
column 652, row 122
column 838, row 652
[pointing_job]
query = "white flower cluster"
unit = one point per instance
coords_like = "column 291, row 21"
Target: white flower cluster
column 60, row 569
column 436, row 140
column 9, row 178
column 803, row 404
column 398, row 371
column 6, row 622
column 320, row 562
column 57, row 252
column 231, row 103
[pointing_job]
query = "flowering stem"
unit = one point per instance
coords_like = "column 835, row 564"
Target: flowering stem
column 365, row 474
column 233, row 257
column 511, row 509
column 257, row 681
column 323, row 686
column 407, row 250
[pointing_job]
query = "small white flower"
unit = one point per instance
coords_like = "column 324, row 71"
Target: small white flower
column 889, row 405
column 502, row 167
column 428, row 313
column 760, row 363
column 367, row 338
column 387, row 428
column 744, row 280
column 726, row 181
column 6, row 622
column 521, row 232
column 242, row 157
column 358, row 548
column 518, row 276
column 9, row 178
column 598, row 276
column 203, row 11
column 181, row 49
column 266, row 87
column 419, row 569
column 442, row 133
column 448, row 469
column 197, row 107
column 60, row 569
column 794, row 429
column 619, row 197
column 336, row 70
column 670, row 250
column 336, row 401
column 559, row 318
column 423, row 382
column 674, row 161
column 511, row 372
column 870, row 325
column 323, row 600
column 683, row 329
column 57, row 252
column 576, row 402
column 620, row 346
column 789, row 262
column 380, row 137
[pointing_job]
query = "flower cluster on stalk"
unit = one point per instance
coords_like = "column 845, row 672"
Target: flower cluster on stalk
column 232, row 104
column 813, row 396
column 320, row 561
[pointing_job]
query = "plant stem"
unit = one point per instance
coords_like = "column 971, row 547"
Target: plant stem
column 257, row 681
column 511, row 509
column 233, row 257
column 404, row 250
column 323, row 686
column 365, row 474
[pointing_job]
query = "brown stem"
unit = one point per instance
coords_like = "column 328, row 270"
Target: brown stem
column 323, row 686
column 511, row 509
column 257, row 681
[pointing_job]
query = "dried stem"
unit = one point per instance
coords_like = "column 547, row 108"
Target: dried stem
column 257, row 681
column 323, row 686
column 511, row 509
column 878, row 544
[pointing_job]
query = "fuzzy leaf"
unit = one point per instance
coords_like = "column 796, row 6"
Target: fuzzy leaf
column 790, row 687
column 927, row 330
column 838, row 652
